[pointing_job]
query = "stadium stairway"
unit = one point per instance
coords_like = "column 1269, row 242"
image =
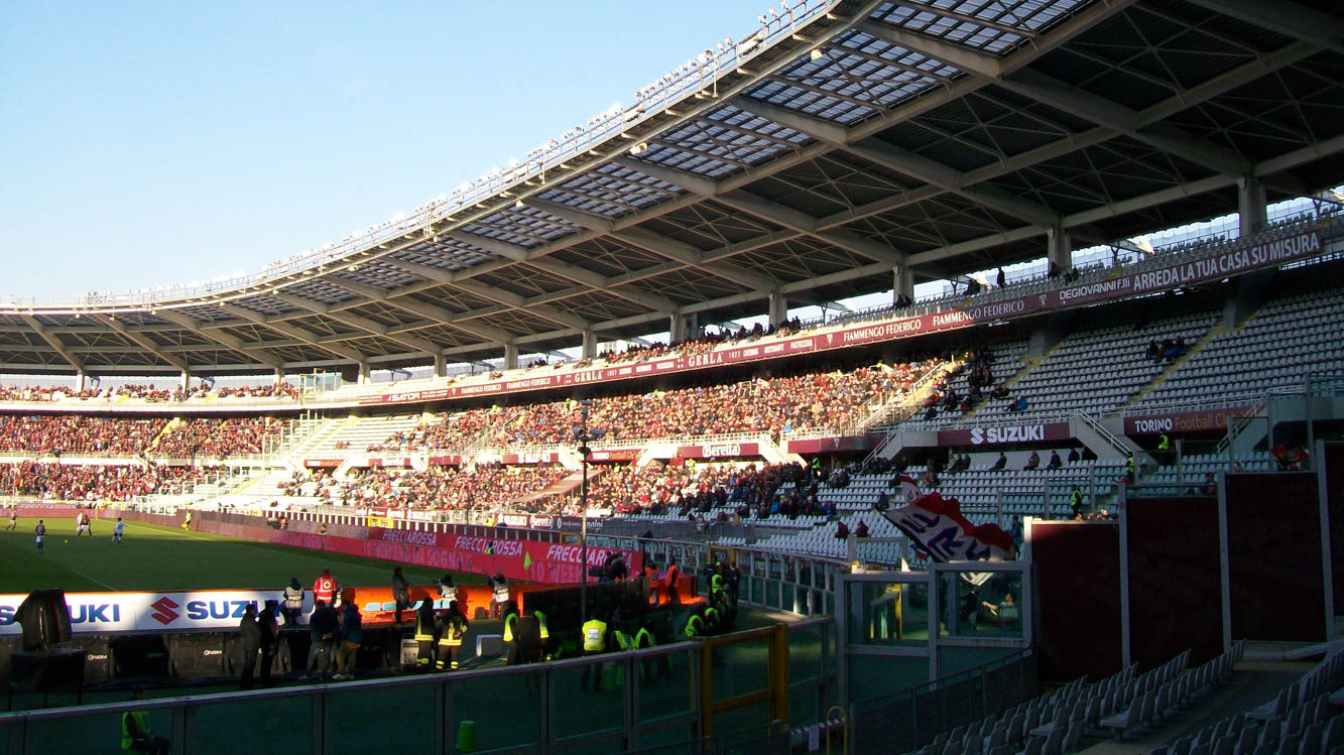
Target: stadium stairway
column 1170, row 369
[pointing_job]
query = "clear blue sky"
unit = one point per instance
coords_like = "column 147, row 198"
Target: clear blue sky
column 145, row 144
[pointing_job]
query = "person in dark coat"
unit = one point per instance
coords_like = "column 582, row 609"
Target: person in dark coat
column 250, row 637
column 324, row 626
column 401, row 592
column 269, row 630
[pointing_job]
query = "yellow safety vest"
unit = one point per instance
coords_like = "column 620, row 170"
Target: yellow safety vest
column 594, row 636
column 423, row 633
column 141, row 725
column 452, row 634
column 644, row 638
column 712, row 618
column 509, row 621
column 623, row 640
column 541, row 621
column 695, row 626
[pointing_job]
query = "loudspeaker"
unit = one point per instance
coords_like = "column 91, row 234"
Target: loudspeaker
column 139, row 656
column 45, row 618
column 198, row 655
column 97, row 657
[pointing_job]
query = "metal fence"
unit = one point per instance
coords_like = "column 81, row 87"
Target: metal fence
column 651, row 701
column 903, row 722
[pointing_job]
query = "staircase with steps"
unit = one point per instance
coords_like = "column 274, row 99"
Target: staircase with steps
column 1171, row 367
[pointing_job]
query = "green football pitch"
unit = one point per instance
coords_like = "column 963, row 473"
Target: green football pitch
column 154, row 558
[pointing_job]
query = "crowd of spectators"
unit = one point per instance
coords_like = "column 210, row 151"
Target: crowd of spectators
column 57, row 434
column 144, row 392
column 725, row 491
column 269, row 390
column 77, row 434
column 487, row 487
column 703, row 344
column 979, row 371
column 817, row 401
column 217, row 438
column 90, row 484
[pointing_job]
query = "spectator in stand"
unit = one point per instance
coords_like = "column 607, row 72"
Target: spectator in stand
column 1073, row 454
column 1000, row 463
column 841, row 531
column 862, row 530
column 1055, row 462
column 1033, row 461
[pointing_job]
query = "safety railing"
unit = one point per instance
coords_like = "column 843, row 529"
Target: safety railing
column 662, row 699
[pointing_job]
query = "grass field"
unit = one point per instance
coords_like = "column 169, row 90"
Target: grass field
column 162, row 559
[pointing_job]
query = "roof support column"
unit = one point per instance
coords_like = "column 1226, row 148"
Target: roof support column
column 676, row 328
column 1252, row 209
column 691, row 326
column 279, row 376
column 902, row 286
column 779, row 308
column 1059, row 250
column 440, row 365
column 510, row 356
column 185, row 381
column 365, row 375
column 79, row 380
column 589, row 344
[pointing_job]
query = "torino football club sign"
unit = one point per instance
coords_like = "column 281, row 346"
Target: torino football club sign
column 106, row 612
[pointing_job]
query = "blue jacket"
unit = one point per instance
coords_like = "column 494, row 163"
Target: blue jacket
column 352, row 624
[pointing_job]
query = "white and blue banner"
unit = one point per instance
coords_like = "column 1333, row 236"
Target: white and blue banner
column 108, row 612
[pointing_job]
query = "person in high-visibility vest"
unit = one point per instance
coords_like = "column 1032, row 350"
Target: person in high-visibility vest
column 695, row 626
column 447, row 590
column 643, row 641
column 594, row 643
column 500, row 588
column 510, row 625
column 452, row 631
column 326, row 588
column 426, row 634
column 136, row 735
column 712, row 618
column 544, row 633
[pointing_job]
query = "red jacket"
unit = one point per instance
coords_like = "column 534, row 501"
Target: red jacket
column 325, row 589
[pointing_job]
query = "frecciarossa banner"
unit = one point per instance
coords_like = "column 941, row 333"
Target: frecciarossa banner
column 1268, row 253
column 149, row 611
column 549, row 563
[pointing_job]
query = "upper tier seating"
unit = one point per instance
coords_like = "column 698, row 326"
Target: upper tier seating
column 1279, row 346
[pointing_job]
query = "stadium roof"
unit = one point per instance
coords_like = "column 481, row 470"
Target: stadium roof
column 840, row 140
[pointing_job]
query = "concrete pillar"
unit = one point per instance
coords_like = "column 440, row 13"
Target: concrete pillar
column 902, row 283
column 80, row 380
column 691, row 323
column 440, row 365
column 510, row 356
column 279, row 376
column 1252, row 210
column 676, row 328
column 365, row 375
column 779, row 308
column 184, row 380
column 589, row 344
column 1059, row 249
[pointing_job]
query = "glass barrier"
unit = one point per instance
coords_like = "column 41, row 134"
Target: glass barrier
column 642, row 701
column 980, row 604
